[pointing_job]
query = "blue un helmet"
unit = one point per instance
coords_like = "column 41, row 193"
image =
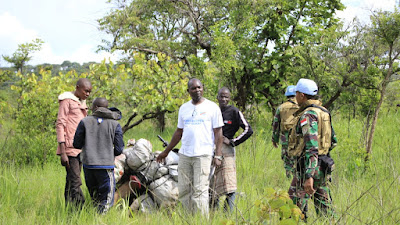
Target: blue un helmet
column 290, row 91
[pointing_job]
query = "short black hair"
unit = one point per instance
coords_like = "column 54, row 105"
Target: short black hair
column 100, row 102
column 84, row 82
column 223, row 89
column 312, row 97
column 191, row 80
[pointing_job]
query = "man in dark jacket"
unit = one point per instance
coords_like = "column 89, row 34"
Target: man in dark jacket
column 224, row 180
column 100, row 138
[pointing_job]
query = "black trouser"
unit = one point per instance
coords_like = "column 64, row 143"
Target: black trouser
column 73, row 193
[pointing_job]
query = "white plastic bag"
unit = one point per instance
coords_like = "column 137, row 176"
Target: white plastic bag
column 172, row 158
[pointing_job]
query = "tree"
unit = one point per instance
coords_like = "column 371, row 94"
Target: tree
column 23, row 54
column 385, row 34
column 246, row 44
column 147, row 89
column 337, row 63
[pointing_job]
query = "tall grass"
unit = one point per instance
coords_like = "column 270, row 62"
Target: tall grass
column 362, row 193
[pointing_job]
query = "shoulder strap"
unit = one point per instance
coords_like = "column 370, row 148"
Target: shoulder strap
column 323, row 109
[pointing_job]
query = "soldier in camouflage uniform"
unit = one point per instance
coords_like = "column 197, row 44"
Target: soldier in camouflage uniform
column 310, row 142
column 283, row 121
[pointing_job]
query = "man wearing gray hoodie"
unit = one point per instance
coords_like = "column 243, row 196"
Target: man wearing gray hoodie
column 101, row 139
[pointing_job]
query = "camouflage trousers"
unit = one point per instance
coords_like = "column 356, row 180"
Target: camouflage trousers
column 322, row 197
column 288, row 162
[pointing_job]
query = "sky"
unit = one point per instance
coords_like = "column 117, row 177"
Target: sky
column 69, row 28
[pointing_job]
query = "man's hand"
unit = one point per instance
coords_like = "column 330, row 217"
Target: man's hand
column 275, row 144
column 227, row 141
column 217, row 162
column 63, row 156
column 161, row 157
column 64, row 160
column 308, row 186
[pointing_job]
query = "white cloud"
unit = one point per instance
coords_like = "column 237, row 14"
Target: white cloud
column 13, row 33
column 11, row 28
column 84, row 53
column 387, row 5
column 362, row 9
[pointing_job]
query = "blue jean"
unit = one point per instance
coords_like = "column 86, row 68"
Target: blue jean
column 229, row 202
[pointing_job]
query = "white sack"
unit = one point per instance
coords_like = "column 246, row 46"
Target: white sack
column 154, row 171
column 165, row 191
column 173, row 172
column 120, row 164
column 143, row 203
column 138, row 154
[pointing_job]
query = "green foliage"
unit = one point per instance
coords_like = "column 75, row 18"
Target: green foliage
column 247, row 44
column 34, row 194
column 23, row 54
column 276, row 207
column 35, row 116
column 160, row 85
column 149, row 88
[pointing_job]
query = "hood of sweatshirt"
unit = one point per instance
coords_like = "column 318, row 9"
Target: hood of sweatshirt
column 102, row 112
column 70, row 95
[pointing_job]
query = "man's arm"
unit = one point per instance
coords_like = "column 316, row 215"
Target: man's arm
column 79, row 137
column 62, row 115
column 176, row 138
column 218, row 140
column 118, row 141
column 276, row 125
column 309, row 127
column 61, row 122
column 247, row 131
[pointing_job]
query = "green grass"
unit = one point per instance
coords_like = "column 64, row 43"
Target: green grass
column 362, row 194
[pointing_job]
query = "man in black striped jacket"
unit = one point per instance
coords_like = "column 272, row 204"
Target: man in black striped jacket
column 224, row 180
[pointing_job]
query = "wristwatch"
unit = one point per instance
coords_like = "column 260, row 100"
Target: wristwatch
column 219, row 157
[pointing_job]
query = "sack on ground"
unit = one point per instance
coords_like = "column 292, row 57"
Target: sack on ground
column 143, row 203
column 120, row 165
column 138, row 154
column 154, row 171
column 173, row 172
column 165, row 191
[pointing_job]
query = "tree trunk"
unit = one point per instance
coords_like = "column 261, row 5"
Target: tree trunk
column 161, row 121
column 377, row 109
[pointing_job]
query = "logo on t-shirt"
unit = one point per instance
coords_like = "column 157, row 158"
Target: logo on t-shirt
column 228, row 121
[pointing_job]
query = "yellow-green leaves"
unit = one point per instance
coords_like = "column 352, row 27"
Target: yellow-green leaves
column 276, row 207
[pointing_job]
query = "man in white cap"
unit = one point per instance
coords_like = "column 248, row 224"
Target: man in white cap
column 310, row 142
column 281, row 124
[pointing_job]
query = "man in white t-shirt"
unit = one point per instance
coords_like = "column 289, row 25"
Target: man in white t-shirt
column 200, row 128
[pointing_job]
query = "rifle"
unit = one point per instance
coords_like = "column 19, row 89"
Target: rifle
column 165, row 144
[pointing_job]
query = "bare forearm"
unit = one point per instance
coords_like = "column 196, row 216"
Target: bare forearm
column 218, row 140
column 176, row 138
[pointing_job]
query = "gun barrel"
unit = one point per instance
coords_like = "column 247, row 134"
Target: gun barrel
column 163, row 141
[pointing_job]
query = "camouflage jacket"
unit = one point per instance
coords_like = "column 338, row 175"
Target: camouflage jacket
column 277, row 133
column 308, row 127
